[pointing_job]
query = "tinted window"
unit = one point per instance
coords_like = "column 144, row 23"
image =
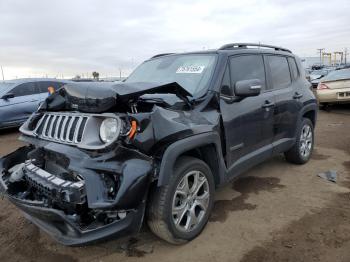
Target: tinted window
column 279, row 71
column 44, row 85
column 24, row 89
column 247, row 67
column 293, row 68
column 56, row 85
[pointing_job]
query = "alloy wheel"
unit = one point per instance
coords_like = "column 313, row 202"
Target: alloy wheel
column 306, row 140
column 190, row 201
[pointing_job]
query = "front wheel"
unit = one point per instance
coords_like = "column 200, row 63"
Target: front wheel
column 179, row 211
column 301, row 152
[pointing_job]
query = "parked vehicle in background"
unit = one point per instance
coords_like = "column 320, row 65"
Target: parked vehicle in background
column 316, row 75
column 21, row 97
column 334, row 88
column 157, row 145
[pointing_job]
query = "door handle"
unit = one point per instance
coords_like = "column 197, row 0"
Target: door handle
column 297, row 95
column 268, row 104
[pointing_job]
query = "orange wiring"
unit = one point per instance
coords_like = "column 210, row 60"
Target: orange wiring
column 133, row 129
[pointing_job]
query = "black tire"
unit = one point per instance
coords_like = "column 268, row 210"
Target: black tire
column 295, row 155
column 159, row 212
column 325, row 106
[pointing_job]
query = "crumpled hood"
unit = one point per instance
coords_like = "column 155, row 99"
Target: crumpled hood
column 99, row 97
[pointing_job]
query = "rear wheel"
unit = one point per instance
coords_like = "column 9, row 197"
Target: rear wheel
column 179, row 211
column 301, row 152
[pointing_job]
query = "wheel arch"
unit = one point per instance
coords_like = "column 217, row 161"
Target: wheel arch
column 310, row 114
column 309, row 111
column 206, row 147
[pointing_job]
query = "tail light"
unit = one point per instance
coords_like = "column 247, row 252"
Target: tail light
column 322, row 86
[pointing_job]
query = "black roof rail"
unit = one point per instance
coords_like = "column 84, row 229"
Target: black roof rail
column 159, row 55
column 246, row 45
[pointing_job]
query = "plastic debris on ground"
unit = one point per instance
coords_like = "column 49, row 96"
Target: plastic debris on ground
column 330, row 175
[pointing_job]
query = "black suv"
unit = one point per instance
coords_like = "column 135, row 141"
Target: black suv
column 101, row 157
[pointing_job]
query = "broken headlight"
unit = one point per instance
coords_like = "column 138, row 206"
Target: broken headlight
column 110, row 129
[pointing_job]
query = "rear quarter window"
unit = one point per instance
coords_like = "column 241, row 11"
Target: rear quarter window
column 293, row 68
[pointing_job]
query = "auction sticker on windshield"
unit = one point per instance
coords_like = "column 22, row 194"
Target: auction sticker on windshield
column 190, row 70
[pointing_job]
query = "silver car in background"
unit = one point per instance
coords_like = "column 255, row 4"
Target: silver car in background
column 21, row 97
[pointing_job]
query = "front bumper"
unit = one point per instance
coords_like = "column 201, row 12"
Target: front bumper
column 134, row 169
column 65, row 231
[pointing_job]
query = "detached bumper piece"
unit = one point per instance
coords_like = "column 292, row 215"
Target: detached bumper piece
column 75, row 197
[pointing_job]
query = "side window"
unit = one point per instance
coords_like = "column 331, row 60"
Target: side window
column 24, row 89
column 293, row 68
column 279, row 69
column 44, row 85
column 247, row 67
column 56, row 85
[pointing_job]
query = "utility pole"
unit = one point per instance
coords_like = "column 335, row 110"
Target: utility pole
column 2, row 71
column 320, row 51
column 345, row 54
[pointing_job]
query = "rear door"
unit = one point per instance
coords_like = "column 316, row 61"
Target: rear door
column 283, row 76
column 248, row 122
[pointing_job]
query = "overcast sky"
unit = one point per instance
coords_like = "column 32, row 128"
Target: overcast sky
column 55, row 38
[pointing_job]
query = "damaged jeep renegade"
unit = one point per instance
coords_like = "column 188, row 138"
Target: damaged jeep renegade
column 101, row 158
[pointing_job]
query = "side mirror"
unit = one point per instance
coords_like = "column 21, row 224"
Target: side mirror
column 245, row 88
column 8, row 96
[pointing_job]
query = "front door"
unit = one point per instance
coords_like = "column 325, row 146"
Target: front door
column 248, row 122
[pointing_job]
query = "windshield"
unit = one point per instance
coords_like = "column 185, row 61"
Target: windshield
column 192, row 72
column 337, row 75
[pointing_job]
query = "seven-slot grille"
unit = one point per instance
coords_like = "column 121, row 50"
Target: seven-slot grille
column 68, row 128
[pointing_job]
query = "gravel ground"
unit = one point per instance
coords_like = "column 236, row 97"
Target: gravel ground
column 275, row 212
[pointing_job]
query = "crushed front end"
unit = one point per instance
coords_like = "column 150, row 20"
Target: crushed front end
column 71, row 184
column 93, row 151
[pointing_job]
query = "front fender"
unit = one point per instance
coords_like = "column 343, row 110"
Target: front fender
column 179, row 147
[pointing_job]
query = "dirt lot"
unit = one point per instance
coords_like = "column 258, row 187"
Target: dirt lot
column 275, row 212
